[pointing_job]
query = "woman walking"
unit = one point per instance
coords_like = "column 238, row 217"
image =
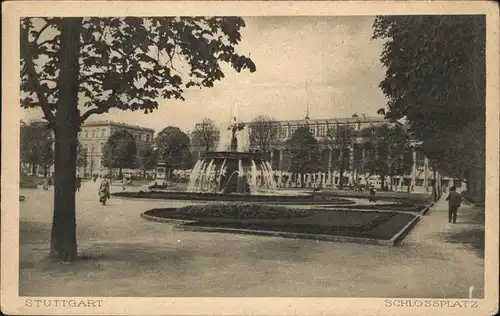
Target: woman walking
column 104, row 189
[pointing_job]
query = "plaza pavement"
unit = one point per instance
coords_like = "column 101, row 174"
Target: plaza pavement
column 126, row 255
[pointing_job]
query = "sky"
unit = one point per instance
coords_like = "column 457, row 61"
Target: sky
column 329, row 63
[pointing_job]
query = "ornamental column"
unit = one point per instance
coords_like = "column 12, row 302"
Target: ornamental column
column 414, row 168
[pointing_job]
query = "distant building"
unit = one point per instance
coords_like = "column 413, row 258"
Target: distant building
column 420, row 178
column 94, row 135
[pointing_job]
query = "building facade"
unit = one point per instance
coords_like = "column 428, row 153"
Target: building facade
column 420, row 178
column 94, row 135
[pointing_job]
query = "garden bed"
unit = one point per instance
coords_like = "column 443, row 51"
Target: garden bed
column 228, row 211
column 261, row 218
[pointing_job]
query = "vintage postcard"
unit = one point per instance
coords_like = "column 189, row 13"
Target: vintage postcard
column 250, row 158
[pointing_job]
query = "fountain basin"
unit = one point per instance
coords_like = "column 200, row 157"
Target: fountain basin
column 272, row 197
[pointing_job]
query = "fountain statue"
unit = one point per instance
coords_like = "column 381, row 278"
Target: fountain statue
column 232, row 169
column 235, row 128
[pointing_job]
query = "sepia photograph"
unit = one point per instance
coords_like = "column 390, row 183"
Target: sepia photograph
column 265, row 152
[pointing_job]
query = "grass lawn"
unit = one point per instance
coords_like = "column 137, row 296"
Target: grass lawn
column 30, row 182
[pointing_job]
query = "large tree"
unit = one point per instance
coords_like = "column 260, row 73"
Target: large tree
column 436, row 79
column 146, row 158
column 340, row 139
column 304, row 150
column 400, row 152
column 120, row 151
column 376, row 151
column 205, row 134
column 387, row 151
column 173, row 146
column 263, row 132
column 36, row 146
column 104, row 63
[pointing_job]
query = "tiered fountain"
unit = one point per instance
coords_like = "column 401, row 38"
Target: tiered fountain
column 232, row 173
column 232, row 169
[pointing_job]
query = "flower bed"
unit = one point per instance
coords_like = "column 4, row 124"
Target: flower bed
column 231, row 211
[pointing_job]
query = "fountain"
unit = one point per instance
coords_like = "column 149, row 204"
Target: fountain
column 232, row 173
column 232, row 169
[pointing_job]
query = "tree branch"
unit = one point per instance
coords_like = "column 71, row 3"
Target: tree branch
column 86, row 115
column 33, row 76
column 47, row 24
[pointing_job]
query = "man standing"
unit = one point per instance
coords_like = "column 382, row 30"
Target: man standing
column 454, row 201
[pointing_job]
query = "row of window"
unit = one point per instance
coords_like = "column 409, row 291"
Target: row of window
column 103, row 133
column 94, row 148
column 318, row 130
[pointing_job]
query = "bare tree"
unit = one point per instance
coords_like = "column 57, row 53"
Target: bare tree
column 263, row 132
column 340, row 139
column 205, row 134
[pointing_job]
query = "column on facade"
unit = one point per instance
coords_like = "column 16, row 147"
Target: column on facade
column 414, row 168
column 426, row 173
column 351, row 164
column 280, row 161
column 362, row 161
column 330, row 161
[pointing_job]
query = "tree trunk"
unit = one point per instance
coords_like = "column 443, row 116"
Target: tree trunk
column 63, row 242
column 33, row 169
column 382, row 180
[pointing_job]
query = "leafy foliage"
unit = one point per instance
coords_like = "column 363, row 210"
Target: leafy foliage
column 173, row 146
column 387, row 150
column 436, row 79
column 263, row 132
column 36, row 144
column 304, row 150
column 120, row 151
column 340, row 139
column 146, row 157
column 81, row 158
column 400, row 151
column 205, row 134
column 129, row 63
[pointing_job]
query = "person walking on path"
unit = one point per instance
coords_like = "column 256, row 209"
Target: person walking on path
column 372, row 194
column 104, row 189
column 124, row 184
column 454, row 201
column 78, row 183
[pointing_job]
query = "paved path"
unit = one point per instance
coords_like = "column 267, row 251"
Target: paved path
column 129, row 256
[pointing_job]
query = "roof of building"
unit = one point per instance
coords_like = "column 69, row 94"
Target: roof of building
column 119, row 124
column 362, row 119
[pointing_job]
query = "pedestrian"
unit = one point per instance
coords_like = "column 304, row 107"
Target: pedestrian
column 46, row 184
column 78, row 183
column 104, row 189
column 124, row 183
column 454, row 201
column 372, row 194
column 49, row 182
